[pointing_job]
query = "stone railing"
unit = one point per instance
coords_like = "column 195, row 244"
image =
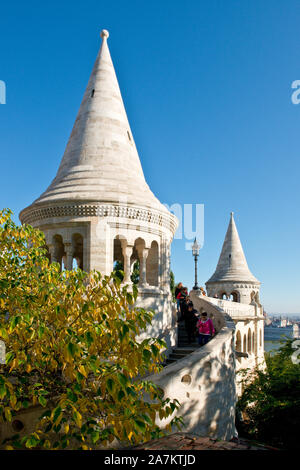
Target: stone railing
column 234, row 309
column 204, row 384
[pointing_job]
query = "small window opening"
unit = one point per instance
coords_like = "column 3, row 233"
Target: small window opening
column 92, row 94
column 129, row 136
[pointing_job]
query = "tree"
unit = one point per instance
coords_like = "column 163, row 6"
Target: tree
column 72, row 348
column 270, row 403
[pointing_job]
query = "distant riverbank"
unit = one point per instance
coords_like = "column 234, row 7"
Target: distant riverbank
column 273, row 335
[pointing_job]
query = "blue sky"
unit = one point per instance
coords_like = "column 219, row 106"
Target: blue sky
column 207, row 88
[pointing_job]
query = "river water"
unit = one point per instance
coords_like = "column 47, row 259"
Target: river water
column 272, row 336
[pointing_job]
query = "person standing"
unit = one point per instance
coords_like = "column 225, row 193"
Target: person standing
column 177, row 292
column 190, row 320
column 205, row 328
column 183, row 301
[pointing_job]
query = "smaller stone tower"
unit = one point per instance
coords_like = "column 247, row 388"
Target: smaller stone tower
column 232, row 278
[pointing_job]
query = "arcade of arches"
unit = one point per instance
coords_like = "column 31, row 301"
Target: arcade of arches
column 70, row 253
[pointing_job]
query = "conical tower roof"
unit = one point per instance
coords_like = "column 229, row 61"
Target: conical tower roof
column 232, row 264
column 101, row 162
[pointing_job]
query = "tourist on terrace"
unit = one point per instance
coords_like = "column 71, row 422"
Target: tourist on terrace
column 182, row 296
column 177, row 292
column 205, row 328
column 190, row 321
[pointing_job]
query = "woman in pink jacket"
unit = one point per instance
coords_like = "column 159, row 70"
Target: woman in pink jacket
column 205, row 328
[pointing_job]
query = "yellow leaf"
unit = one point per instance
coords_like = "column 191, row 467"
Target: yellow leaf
column 13, row 400
column 7, row 413
column 82, row 371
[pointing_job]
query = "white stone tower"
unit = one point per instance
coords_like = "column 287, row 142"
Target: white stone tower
column 232, row 278
column 99, row 208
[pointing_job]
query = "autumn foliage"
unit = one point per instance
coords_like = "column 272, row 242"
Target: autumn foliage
column 72, row 349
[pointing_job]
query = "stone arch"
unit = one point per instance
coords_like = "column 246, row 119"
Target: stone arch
column 117, row 251
column 245, row 343
column 253, row 342
column 77, row 243
column 238, row 342
column 152, row 265
column 235, row 296
column 249, row 340
column 58, row 250
column 118, row 257
column 223, row 295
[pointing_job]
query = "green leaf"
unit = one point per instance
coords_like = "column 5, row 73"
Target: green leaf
column 122, row 379
column 42, row 400
column 57, row 413
column 139, row 425
column 72, row 349
column 147, row 355
column 2, row 390
column 110, row 385
column 89, row 338
column 85, row 308
column 31, row 442
column 95, row 436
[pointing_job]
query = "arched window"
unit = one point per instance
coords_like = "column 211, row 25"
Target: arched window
column 245, row 344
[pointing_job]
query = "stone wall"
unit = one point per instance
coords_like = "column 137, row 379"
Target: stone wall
column 164, row 325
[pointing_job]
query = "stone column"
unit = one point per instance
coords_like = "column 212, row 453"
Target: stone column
column 69, row 255
column 143, row 253
column 127, row 252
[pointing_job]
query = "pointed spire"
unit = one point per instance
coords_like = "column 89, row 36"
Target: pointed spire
column 101, row 162
column 232, row 264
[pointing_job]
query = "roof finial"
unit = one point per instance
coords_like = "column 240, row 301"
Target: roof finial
column 231, row 213
column 104, row 34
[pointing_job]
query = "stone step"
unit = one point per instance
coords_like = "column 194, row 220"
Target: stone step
column 184, row 350
column 170, row 361
column 177, row 355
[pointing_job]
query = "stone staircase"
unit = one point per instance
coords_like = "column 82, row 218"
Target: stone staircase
column 183, row 348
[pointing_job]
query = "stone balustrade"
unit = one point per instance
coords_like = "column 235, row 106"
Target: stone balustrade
column 204, row 384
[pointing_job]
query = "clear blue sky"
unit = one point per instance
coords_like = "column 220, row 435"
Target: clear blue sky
column 207, row 88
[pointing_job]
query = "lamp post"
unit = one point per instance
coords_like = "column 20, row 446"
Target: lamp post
column 195, row 250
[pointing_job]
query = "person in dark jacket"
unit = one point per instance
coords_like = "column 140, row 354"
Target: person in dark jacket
column 182, row 301
column 190, row 321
